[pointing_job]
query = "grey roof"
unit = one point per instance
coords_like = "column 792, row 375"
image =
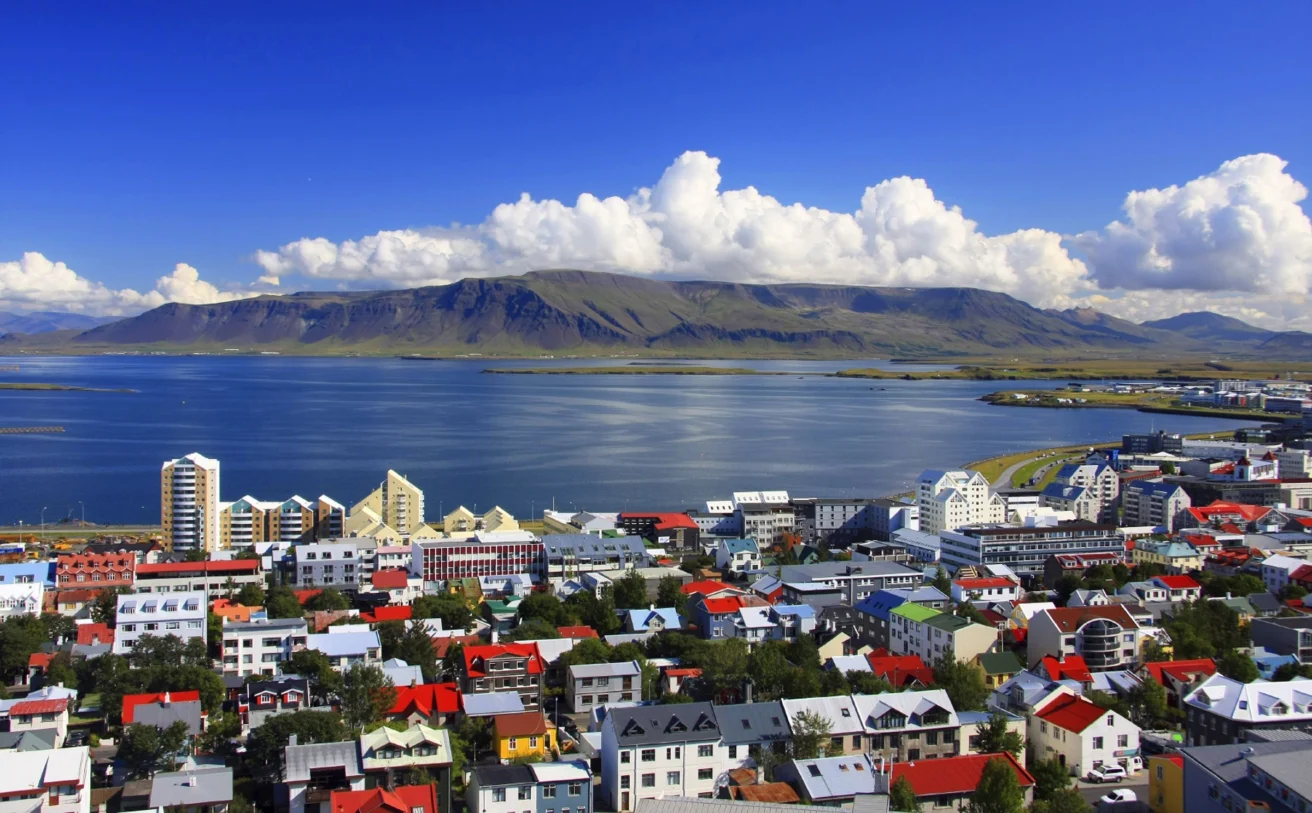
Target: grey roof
column 590, row 545
column 1278, row 735
column 1265, row 602
column 301, row 759
column 484, row 705
column 211, row 786
column 748, row 723
column 1229, row 764
column 1289, row 768
column 265, row 626
column 684, row 804
column 837, row 777
column 870, row 803
column 829, row 570
column 160, row 715
column 495, row 775
column 41, row 739
column 684, row 722
column 592, row 670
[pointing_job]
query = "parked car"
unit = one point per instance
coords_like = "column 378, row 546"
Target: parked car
column 1107, row 773
column 75, row 738
column 1118, row 796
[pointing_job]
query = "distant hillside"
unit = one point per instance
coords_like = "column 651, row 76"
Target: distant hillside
column 49, row 321
column 577, row 312
column 1208, row 326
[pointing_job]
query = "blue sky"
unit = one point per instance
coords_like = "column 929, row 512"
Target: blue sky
column 140, row 136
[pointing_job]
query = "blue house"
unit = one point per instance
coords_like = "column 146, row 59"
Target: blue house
column 563, row 786
column 872, row 612
column 29, row 573
column 792, row 619
column 654, row 619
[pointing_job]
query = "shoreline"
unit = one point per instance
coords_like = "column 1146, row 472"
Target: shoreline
column 35, row 387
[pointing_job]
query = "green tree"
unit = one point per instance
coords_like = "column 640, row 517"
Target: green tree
column 265, row 754
column 995, row 737
column 810, row 735
column 453, row 662
column 1292, row 671
column 315, row 667
column 389, row 636
column 222, row 731
column 1237, row 666
column 833, row 684
column 104, row 607
column 534, row 629
column 251, row 595
column 194, row 556
column 586, row 651
column 545, row 607
column 726, row 669
column 669, row 593
column 596, row 611
column 964, row 683
column 449, row 608
column 1067, row 584
column 767, row 667
column 60, row 671
column 59, row 628
column 1293, row 591
column 328, row 600
column 803, row 651
column 867, row 683
column 902, row 797
column 367, row 694
column 969, row 612
column 1050, row 778
column 941, row 582
column 281, row 602
column 145, row 749
column 631, row 591
column 1145, row 704
column 416, row 649
column 998, row 791
column 1067, row 800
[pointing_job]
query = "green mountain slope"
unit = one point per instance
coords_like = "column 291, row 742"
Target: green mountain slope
column 1208, row 326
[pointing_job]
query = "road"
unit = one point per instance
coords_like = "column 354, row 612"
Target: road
column 1092, row 793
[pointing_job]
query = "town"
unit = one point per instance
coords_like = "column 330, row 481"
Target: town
column 1129, row 630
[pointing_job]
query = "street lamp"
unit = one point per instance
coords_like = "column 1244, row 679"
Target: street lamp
column 84, row 513
column 43, row 522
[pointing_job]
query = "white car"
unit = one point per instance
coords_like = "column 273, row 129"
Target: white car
column 1119, row 795
column 1107, row 773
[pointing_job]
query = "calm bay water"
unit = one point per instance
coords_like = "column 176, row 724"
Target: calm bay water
column 311, row 426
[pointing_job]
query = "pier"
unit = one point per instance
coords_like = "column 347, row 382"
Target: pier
column 30, row 430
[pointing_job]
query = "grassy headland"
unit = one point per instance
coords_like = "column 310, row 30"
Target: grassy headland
column 1144, row 402
column 1097, row 370
column 34, row 387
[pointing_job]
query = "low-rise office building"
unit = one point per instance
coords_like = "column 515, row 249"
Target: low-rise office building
column 216, row 578
column 1026, row 550
column 258, row 647
column 179, row 614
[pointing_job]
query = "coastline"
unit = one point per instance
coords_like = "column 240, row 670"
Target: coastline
column 33, row 387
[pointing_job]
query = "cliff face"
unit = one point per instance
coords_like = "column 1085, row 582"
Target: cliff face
column 577, row 311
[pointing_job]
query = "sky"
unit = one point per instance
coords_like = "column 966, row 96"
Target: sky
column 1144, row 159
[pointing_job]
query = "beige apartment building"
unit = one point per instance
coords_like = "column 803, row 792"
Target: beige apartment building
column 397, row 502
column 248, row 521
column 189, row 503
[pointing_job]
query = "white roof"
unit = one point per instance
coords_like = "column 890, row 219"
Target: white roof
column 575, row 771
column 911, row 705
column 1258, row 702
column 343, row 644
column 850, row 663
column 1282, row 562
column 719, row 506
column 1031, row 609
column 593, row 670
column 35, row 770
column 839, row 711
column 505, row 536
column 754, row 618
column 552, row 648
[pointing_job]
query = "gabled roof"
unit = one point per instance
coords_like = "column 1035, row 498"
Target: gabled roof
column 685, row 722
column 840, row 711
column 595, row 670
column 1261, row 702
column 900, row 670
column 911, row 705
column 839, row 777
column 477, row 656
column 953, row 775
column 577, row 632
column 747, row 723
column 640, row 620
column 1070, row 619
column 1071, row 712
column 402, row 799
column 302, row 759
column 1184, row 671
column 390, row 579
column 1000, row 663
column 389, row 613
column 27, row 707
column 1177, row 582
column 1072, row 667
column 707, row 587
column 524, row 724
column 131, row 701
column 427, row 699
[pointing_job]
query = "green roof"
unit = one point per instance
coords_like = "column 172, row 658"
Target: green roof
column 1000, row 663
column 915, row 612
column 948, row 623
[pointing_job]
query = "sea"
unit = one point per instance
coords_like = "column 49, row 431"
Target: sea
column 283, row 425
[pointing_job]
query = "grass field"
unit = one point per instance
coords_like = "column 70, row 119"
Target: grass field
column 1100, row 369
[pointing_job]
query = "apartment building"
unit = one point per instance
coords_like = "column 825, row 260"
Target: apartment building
column 1099, row 481
column 189, row 503
column 21, row 599
column 1152, row 504
column 258, row 647
column 872, row 614
column 95, row 571
column 567, row 555
column 1261, row 776
column 909, row 726
column 669, row 529
column 347, row 648
column 249, row 521
column 517, row 668
column 650, row 752
column 1083, row 736
column 1222, row 710
column 846, row 731
column 948, row 500
column 917, row 630
column 397, row 502
column 597, row 684
column 330, row 564
column 213, row 577
column 47, row 781
column 1285, row 636
column 1107, row 637
column 1075, row 500
column 851, row 582
column 179, row 614
column 1026, row 550
column 484, row 555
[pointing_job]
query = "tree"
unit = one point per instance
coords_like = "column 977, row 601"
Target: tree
column 20, row 636
column 315, row 667
column 1292, row 671
column 194, row 556
column 60, row 671
column 586, row 651
column 767, row 668
column 596, row 611
column 810, row 735
column 453, row 661
column 1067, row 800
column 941, row 582
column 631, row 591
column 995, row 737
column 1237, row 666
column 534, row 629
column 1067, row 584
column 902, row 797
column 1050, row 778
column 281, row 602
column 222, row 730
column 451, row 609
column 727, row 668
column 104, row 607
column 1167, row 468
column 146, row 749
column 251, row 595
column 389, row 636
column 328, row 600
column 545, row 607
column 964, row 683
column 998, row 791
column 833, row 684
column 1293, row 591
column 367, row 694
column 867, row 683
column 265, row 749
column 969, row 612
column 59, row 627
column 1145, row 704
column 416, row 649
column 669, row 593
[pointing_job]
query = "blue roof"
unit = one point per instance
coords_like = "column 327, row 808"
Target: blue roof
column 1062, row 492
column 44, row 572
column 799, row 610
column 639, row 620
column 740, row 546
column 484, row 705
column 882, row 602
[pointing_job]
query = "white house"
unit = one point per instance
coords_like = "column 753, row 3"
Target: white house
column 740, row 556
column 951, row 499
column 1082, row 736
column 345, row 649
column 21, row 599
column 38, row 714
column 651, row 752
column 255, row 647
column 1276, row 570
column 51, row 781
column 159, row 614
column 990, row 589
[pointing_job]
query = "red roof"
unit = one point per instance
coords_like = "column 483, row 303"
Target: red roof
column 1071, row 712
column 93, row 633
column 427, row 699
column 404, row 799
column 900, row 670
column 1183, row 671
column 24, row 708
column 1302, row 573
column 1306, row 522
column 1228, row 508
column 232, row 566
column 1177, row 582
column 953, row 775
column 521, row 724
column 728, row 604
column 305, row 595
column 984, row 583
column 663, row 520
column 444, row 643
column 683, row 672
column 131, row 701
column 577, row 632
column 390, row 579
column 706, row 587
column 41, row 659
column 1072, row 667
column 993, row 617
column 386, row 613
column 1070, row 619
column 476, row 657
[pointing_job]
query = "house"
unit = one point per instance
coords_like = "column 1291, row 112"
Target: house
column 791, row 620
column 400, row 799
column 47, row 781
column 991, row 589
column 1059, row 564
column 516, row 668
column 167, row 711
column 1262, row 776
column 949, row 783
column 312, row 773
column 833, row 781
column 1106, row 637
column 203, row 790
column 542, row 787
column 571, row 554
column 258, row 647
column 738, row 556
column 1179, row 588
column 656, row 751
column 1082, row 736
column 916, row 630
column 653, row 619
column 34, row 715
column 21, row 599
column 527, row 734
column 93, row 634
column 1276, row 570
column 434, row 704
column 385, row 751
column 1165, row 783
column 1179, row 678
column 901, row 671
column 347, row 648
column 1176, row 557
column 132, row 701
column 913, row 725
column 178, row 614
column 1145, row 592
column 846, row 730
column 262, row 699
column 1222, row 711
column 999, row 667
column 1285, row 636
column 1063, row 667
column 871, row 614
column 564, row 786
column 399, row 586
column 747, row 729
column 1088, row 598
column 596, row 684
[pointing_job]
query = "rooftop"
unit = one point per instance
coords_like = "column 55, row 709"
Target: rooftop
column 953, row 775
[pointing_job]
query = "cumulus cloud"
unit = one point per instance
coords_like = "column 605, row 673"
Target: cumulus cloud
column 1239, row 228
column 686, row 226
column 37, row 283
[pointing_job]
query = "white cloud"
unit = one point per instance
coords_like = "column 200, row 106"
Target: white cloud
column 37, row 283
column 1239, row 228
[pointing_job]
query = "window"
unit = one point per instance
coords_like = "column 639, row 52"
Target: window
column 1123, row 741
column 526, row 792
column 532, row 742
column 513, row 743
column 837, row 742
column 1097, row 743
column 649, row 755
column 625, row 759
column 856, row 740
column 705, row 750
column 913, row 754
column 624, row 782
column 649, row 780
column 733, row 752
column 1111, row 719
column 672, row 778
column 498, row 794
column 548, row 791
column 575, row 788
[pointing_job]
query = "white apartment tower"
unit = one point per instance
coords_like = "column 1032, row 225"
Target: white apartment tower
column 189, row 503
column 398, row 502
column 952, row 499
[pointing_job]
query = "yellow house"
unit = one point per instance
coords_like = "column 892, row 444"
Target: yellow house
column 1176, row 557
column 527, row 733
column 1166, row 784
column 999, row 667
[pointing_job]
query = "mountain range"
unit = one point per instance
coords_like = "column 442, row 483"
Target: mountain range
column 570, row 312
column 49, row 321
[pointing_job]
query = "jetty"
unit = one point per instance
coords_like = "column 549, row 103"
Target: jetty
column 30, row 430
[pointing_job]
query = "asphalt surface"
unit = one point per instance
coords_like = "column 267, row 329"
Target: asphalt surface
column 1093, row 792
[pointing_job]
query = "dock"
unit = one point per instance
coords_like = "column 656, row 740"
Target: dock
column 30, row 430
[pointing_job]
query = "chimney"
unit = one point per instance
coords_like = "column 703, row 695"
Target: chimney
column 651, row 607
column 190, row 781
column 167, row 698
column 496, row 636
column 291, row 740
